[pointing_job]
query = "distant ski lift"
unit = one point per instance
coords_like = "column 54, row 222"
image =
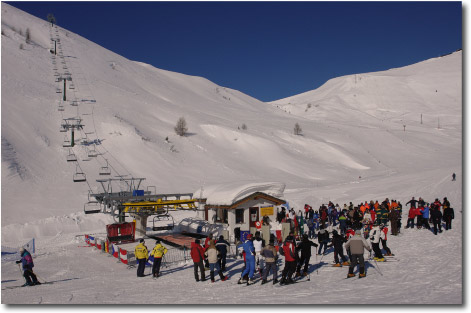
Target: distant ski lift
column 79, row 176
column 74, row 103
column 105, row 170
column 61, row 108
column 57, row 74
column 58, row 90
column 71, row 86
column 58, row 79
column 71, row 157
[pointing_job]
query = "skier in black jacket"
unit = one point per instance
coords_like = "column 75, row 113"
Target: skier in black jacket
column 448, row 215
column 305, row 247
column 323, row 238
column 221, row 246
column 337, row 242
column 436, row 216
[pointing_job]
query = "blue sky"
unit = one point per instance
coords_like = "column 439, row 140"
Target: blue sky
column 268, row 50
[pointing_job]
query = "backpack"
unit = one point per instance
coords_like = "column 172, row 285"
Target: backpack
column 281, row 250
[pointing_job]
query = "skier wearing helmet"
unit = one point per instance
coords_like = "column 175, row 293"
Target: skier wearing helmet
column 249, row 250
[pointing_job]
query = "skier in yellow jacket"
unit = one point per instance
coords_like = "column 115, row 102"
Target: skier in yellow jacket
column 158, row 252
column 141, row 254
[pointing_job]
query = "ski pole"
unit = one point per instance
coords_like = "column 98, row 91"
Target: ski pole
column 377, row 267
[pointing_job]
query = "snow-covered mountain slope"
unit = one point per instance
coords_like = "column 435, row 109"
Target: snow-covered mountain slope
column 350, row 130
column 353, row 147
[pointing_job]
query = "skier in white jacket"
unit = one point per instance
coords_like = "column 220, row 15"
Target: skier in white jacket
column 375, row 236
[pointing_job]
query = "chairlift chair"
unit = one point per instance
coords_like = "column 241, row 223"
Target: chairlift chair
column 71, row 157
column 71, row 86
column 74, row 103
column 79, row 176
column 92, row 207
column 105, row 170
column 67, row 143
column 92, row 153
column 61, row 108
column 163, row 218
column 58, row 90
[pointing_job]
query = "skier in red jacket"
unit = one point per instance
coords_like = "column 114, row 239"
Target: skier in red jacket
column 289, row 251
column 197, row 254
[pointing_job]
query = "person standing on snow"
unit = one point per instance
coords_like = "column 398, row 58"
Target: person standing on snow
column 448, row 216
column 305, row 247
column 249, row 260
column 212, row 254
column 337, row 242
column 411, row 217
column 375, row 237
column 258, row 244
column 436, row 216
column 289, row 251
column 28, row 264
column 222, row 245
column 158, row 252
column 384, row 240
column 357, row 245
column 197, row 254
column 425, row 210
column 141, row 254
column 271, row 256
column 393, row 217
column 323, row 239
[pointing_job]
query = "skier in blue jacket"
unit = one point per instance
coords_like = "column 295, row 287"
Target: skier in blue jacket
column 249, row 250
column 425, row 216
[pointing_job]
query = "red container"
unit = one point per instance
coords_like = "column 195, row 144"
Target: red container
column 121, row 232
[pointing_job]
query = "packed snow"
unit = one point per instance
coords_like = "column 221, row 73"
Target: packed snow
column 392, row 134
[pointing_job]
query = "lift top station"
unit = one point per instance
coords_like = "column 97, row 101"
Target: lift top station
column 123, row 197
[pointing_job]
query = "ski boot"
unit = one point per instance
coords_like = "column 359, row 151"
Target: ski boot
column 250, row 282
column 346, row 263
column 305, row 274
column 337, row 265
column 361, row 275
column 224, row 278
column 350, row 275
column 298, row 274
column 264, row 282
column 275, row 281
column 242, row 281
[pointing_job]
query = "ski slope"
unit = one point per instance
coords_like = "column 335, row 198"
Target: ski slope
column 353, row 147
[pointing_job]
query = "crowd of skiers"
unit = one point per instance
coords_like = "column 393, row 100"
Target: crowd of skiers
column 356, row 224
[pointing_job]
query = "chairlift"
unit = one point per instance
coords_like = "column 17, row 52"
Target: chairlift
column 79, row 176
column 74, row 103
column 165, row 219
column 58, row 90
column 105, row 170
column 92, row 207
column 61, row 108
column 66, row 143
column 92, row 153
column 71, row 157
column 71, row 86
column 57, row 74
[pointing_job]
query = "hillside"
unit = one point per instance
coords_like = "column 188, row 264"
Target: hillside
column 353, row 147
